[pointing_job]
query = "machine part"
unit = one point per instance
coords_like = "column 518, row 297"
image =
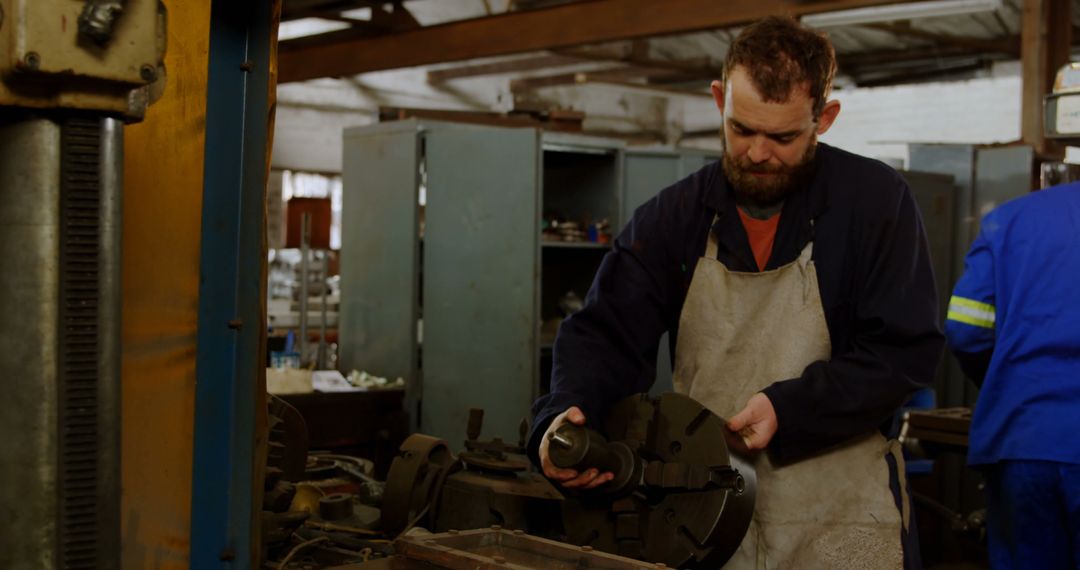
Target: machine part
column 475, row 425
column 44, row 65
column 336, row 507
column 98, row 18
column 494, row 455
column 278, row 527
column 279, row 497
column 59, row 237
column 486, row 462
column 680, row 497
column 306, row 498
column 481, row 487
column 580, row 448
column 693, row 501
column 288, row 442
column 472, row 498
column 498, row 548
column 943, row 426
column 415, row 479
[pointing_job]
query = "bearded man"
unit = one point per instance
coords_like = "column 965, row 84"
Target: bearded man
column 794, row 279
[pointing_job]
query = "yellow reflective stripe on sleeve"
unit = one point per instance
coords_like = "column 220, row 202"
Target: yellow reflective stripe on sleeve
column 971, row 312
column 962, row 302
column 962, row 318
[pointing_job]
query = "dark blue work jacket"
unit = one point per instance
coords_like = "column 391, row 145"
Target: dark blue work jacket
column 1014, row 324
column 877, row 290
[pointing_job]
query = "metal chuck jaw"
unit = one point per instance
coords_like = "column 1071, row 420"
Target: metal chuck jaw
column 580, row 448
column 679, row 494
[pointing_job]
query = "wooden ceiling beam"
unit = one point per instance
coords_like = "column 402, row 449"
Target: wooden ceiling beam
column 929, row 74
column 1009, row 46
column 438, row 76
column 853, row 61
column 635, row 67
column 561, row 26
column 700, row 65
column 611, row 77
column 1047, row 35
column 296, row 9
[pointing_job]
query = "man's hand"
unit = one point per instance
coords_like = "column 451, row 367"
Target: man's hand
column 756, row 423
column 570, row 478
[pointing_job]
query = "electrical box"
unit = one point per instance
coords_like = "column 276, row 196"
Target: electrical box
column 1062, row 108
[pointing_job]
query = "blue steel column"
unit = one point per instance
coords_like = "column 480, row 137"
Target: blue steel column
column 231, row 284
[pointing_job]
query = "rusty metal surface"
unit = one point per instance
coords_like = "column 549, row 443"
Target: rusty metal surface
column 415, row 478
column 45, row 63
column 522, row 501
column 288, row 441
column 497, row 548
column 684, row 498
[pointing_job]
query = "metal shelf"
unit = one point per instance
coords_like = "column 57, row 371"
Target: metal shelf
column 575, row 244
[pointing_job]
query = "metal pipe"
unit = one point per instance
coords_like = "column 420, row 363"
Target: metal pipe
column 305, row 251
column 109, row 303
column 322, row 324
column 29, row 248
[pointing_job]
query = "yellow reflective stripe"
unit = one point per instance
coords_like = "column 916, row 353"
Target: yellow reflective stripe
column 962, row 302
column 967, row 319
column 972, row 312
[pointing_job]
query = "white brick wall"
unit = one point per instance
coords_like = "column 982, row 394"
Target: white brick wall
column 879, row 122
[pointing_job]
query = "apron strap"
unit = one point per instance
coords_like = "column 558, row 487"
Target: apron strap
column 897, row 452
column 712, row 246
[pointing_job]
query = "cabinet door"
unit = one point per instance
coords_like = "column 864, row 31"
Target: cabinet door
column 480, row 276
column 379, row 254
column 646, row 175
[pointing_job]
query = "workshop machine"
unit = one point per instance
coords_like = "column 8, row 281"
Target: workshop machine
column 680, row 497
column 71, row 74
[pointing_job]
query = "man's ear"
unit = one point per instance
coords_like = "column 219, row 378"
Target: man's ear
column 828, row 115
column 717, row 87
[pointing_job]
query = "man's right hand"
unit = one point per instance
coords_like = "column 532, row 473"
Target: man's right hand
column 569, row 478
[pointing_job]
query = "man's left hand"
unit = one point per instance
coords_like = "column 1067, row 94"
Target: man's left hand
column 756, row 423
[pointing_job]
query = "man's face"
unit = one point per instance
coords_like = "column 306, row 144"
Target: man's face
column 768, row 147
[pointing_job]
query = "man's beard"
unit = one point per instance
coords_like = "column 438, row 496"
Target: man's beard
column 767, row 191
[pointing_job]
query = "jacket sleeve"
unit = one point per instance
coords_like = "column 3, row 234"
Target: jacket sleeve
column 607, row 350
column 894, row 347
column 969, row 325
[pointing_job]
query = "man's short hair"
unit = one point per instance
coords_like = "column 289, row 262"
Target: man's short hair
column 781, row 54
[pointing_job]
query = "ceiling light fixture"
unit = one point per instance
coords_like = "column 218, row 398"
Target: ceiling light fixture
column 894, row 12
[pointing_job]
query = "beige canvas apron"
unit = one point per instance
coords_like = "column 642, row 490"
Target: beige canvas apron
column 739, row 333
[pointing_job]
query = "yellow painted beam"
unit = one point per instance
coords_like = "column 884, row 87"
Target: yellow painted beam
column 163, row 184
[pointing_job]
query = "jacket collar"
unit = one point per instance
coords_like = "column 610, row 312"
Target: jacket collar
column 796, row 228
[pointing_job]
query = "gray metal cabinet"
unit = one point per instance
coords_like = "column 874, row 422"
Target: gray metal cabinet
column 647, row 173
column 452, row 294
column 380, row 253
column 985, row 177
column 479, row 274
column 443, row 295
